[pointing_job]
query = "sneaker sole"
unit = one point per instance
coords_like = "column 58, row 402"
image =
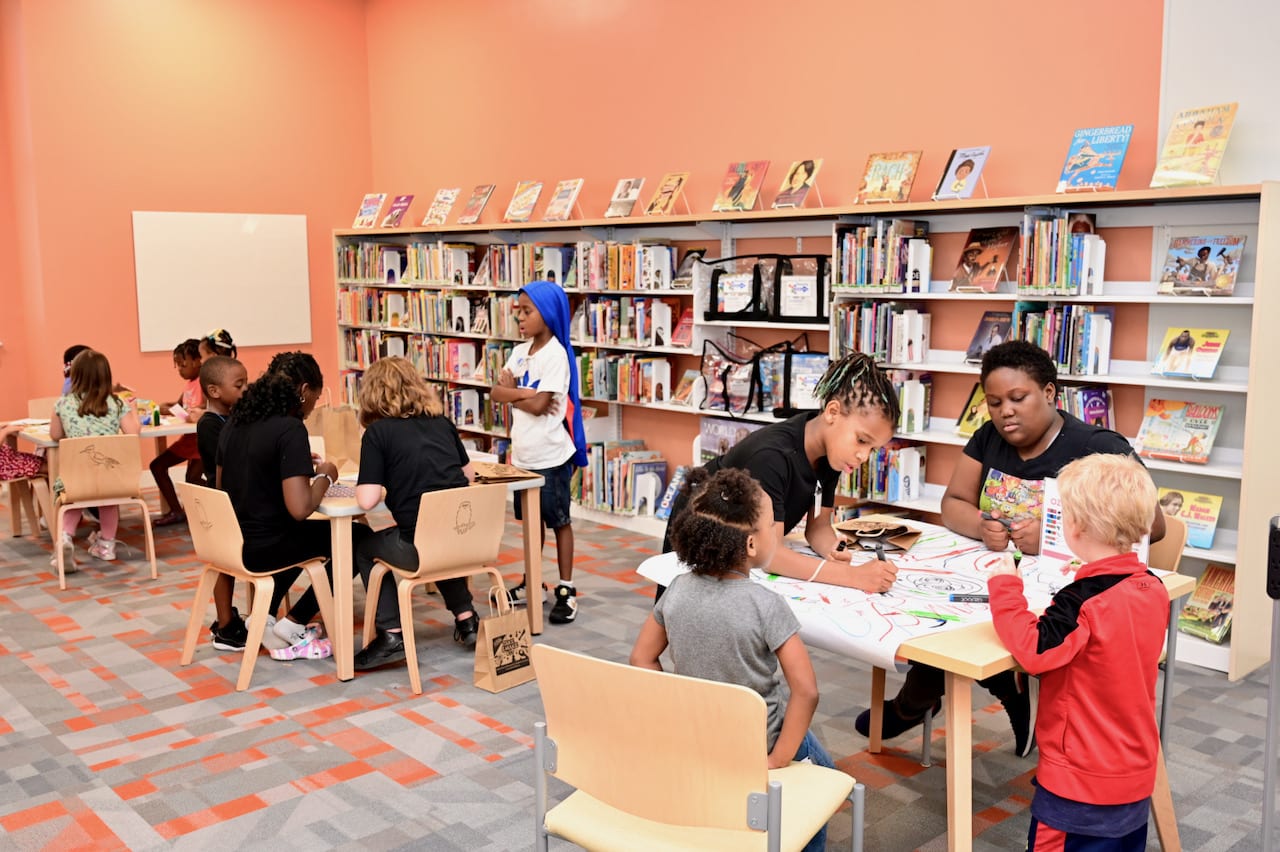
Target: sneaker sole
column 227, row 646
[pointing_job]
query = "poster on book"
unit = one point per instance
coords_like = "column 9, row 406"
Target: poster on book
column 1192, row 152
column 1094, row 158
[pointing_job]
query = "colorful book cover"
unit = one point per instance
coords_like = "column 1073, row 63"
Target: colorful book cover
column 522, row 201
column 438, row 212
column 1095, row 406
column 719, row 436
column 370, row 206
column 395, row 213
column 682, row 334
column 974, row 413
column 1178, row 430
column 1013, row 497
column 993, row 328
column 797, row 183
column 741, row 186
column 648, row 485
column 888, row 176
column 562, row 200
column 1094, row 158
column 625, row 196
column 1193, row 149
column 1198, row 511
column 985, row 259
column 669, row 189
column 668, row 501
column 1190, row 352
column 475, row 204
column 1207, row 612
column 1202, row 266
column 962, row 174
column 684, row 391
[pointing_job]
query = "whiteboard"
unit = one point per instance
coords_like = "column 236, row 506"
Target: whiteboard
column 245, row 272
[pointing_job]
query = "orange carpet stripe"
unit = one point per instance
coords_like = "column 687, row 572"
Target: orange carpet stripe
column 32, row 816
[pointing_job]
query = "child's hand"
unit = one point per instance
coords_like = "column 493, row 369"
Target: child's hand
column 777, row 761
column 327, row 468
column 1026, row 535
column 506, row 378
column 1004, row 565
column 995, row 531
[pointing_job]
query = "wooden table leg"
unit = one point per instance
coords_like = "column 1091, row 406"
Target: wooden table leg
column 1162, row 808
column 531, row 511
column 874, row 740
column 341, row 634
column 959, row 703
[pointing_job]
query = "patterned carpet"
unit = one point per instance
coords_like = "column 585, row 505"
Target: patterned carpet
column 107, row 743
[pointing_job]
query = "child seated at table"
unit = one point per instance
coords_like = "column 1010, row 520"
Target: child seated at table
column 186, row 360
column 1096, row 649
column 721, row 626
column 14, row 463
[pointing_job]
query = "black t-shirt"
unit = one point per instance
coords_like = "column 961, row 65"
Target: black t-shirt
column 410, row 456
column 208, row 430
column 256, row 458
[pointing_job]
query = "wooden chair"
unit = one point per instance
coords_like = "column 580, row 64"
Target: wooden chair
column 1166, row 554
column 459, row 533
column 215, row 532
column 101, row 470
column 30, row 493
column 662, row 761
column 41, row 408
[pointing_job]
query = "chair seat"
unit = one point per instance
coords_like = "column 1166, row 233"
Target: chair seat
column 810, row 794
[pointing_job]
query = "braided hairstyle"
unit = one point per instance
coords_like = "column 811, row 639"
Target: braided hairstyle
column 188, row 349
column 271, row 395
column 710, row 535
column 219, row 342
column 856, row 382
column 298, row 367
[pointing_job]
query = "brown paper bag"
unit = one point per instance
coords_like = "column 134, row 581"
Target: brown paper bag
column 341, row 433
column 890, row 529
column 502, row 650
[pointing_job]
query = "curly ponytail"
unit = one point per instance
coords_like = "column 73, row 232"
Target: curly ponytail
column 710, row 535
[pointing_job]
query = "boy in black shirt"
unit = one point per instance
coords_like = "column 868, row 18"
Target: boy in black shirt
column 222, row 379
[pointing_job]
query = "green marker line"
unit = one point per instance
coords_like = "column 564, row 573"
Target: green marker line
column 937, row 615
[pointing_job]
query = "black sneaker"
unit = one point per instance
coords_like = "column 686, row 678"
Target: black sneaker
column 892, row 724
column 386, row 648
column 566, row 605
column 1018, row 706
column 519, row 595
column 231, row 637
column 465, row 630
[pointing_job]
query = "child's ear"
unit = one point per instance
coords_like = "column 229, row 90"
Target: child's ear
column 751, row 545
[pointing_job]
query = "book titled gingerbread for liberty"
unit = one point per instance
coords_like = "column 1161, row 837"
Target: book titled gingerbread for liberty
column 438, row 212
column 1192, row 152
column 1094, row 158
column 1177, row 430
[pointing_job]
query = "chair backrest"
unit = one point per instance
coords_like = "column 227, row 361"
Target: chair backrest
column 1166, row 554
column 661, row 746
column 215, row 531
column 100, row 467
column 42, row 408
column 460, row 527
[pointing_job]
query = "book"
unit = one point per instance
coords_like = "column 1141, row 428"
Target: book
column 1178, row 430
column 648, row 485
column 438, row 212
column 1094, row 158
column 520, row 208
column 562, row 200
column 625, row 196
column 395, row 213
column 668, row 501
column 741, row 186
column 1207, row 612
column 993, row 328
column 1198, row 511
column 1202, row 266
column 962, row 174
column 684, row 391
column 1095, row 406
column 797, row 183
column 888, row 176
column 1191, row 352
column 370, row 206
column 475, row 204
column 1192, row 152
column 986, row 257
column 684, row 272
column 717, row 436
column 669, row 188
column 660, row 326
column 682, row 334
column 974, row 413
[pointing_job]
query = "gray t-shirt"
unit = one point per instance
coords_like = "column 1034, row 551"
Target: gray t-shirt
column 729, row 631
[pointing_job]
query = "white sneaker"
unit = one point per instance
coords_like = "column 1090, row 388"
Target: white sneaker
column 104, row 549
column 270, row 639
column 68, row 545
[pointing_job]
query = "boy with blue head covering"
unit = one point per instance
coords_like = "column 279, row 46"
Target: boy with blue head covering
column 540, row 380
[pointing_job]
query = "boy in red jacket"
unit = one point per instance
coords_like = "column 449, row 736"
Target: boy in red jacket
column 1096, row 649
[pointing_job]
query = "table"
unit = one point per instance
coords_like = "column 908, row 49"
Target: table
column 340, row 511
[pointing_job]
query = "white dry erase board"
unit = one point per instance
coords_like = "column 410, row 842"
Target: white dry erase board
column 245, row 272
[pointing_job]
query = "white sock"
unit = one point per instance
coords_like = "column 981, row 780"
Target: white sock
column 286, row 629
column 568, row 583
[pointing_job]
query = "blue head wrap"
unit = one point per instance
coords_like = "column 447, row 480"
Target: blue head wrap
column 553, row 304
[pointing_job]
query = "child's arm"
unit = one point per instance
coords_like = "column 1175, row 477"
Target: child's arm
column 56, row 432
column 525, row 399
column 1038, row 644
column 650, row 644
column 803, row 683
column 129, row 424
column 7, row 429
column 369, row 495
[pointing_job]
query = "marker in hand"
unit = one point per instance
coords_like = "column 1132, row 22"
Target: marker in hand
column 1002, row 521
column 880, row 556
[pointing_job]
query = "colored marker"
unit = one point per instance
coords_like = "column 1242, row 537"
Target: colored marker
column 969, row 598
column 1004, row 522
column 937, row 615
column 880, row 556
column 1017, row 558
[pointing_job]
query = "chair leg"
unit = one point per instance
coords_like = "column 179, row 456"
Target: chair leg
column 324, row 595
column 151, row 542
column 541, row 841
column 257, row 624
column 204, row 590
column 404, row 589
column 859, row 812
column 56, row 532
column 371, row 594
column 15, row 509
column 44, row 500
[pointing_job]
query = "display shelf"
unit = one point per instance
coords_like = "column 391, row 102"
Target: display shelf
column 1224, row 547
column 631, row 347
column 782, row 324
column 1200, row 652
column 480, row 430
column 1114, row 293
column 669, row 291
column 645, row 525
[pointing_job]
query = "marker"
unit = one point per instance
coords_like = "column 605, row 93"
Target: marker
column 1017, row 558
column 969, row 598
column 844, row 542
column 938, row 615
column 880, row 556
column 1004, row 522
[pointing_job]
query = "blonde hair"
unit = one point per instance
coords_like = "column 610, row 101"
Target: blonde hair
column 392, row 388
column 1109, row 497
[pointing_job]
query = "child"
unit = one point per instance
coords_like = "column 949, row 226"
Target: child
column 721, row 626
column 217, row 342
column 546, row 438
column 68, row 356
column 186, row 358
column 90, row 409
column 1096, row 648
column 409, row 448
column 15, row 464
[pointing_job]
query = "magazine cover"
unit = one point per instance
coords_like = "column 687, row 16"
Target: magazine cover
column 1191, row 352
column 1207, row 612
column 625, row 196
column 987, row 255
column 1178, row 430
column 1013, row 497
column 719, row 436
column 562, row 200
column 522, row 200
column 438, row 212
column 797, row 183
column 993, row 328
column 888, row 176
column 1193, row 149
column 1198, row 511
column 740, row 186
column 475, row 204
column 664, row 198
column 1202, row 266
column 962, row 173
column 1094, row 158
column 395, row 213
column 974, row 413
column 369, row 209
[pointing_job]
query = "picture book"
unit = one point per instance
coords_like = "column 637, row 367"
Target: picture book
column 1013, row 497
column 522, row 200
column 1198, row 511
column 438, row 212
column 648, row 485
column 625, row 196
column 682, row 334
column 718, row 436
column 395, row 213
column 475, row 204
column 1202, row 266
column 986, row 256
column 1094, row 158
column 962, row 174
column 1095, row 406
column 562, row 200
column 1207, row 612
column 669, row 189
column 684, row 273
column 993, row 328
column 669, row 496
column 741, row 186
column 888, row 176
column 369, row 209
column 797, row 183
column 1193, row 149
column 684, row 390
column 1191, row 352
column 974, row 413
column 1178, row 430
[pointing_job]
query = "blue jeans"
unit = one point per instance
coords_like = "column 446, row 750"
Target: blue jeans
column 812, row 749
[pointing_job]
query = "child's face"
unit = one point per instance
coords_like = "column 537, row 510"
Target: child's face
column 188, row 368
column 850, row 438
column 763, row 536
column 205, row 352
column 528, row 318
column 232, row 386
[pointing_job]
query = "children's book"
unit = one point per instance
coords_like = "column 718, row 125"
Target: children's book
column 522, row 200
column 1207, row 612
column 369, row 209
column 888, row 176
column 438, row 212
column 395, row 213
column 1095, row 406
column 684, row 391
column 1191, row 352
column 1202, row 266
column 682, row 334
column 648, row 486
column 993, row 328
column 684, row 273
column 562, row 200
column 797, row 183
column 1178, row 430
column 962, row 174
column 986, row 256
column 669, row 189
column 1193, row 149
column 974, row 413
column 625, row 196
column 740, row 186
column 1094, row 158
column 669, row 496
column 719, row 436
column 475, row 204
column 1198, row 511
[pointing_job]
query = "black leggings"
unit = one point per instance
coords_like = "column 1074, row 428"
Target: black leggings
column 925, row 685
column 391, row 547
column 309, row 540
